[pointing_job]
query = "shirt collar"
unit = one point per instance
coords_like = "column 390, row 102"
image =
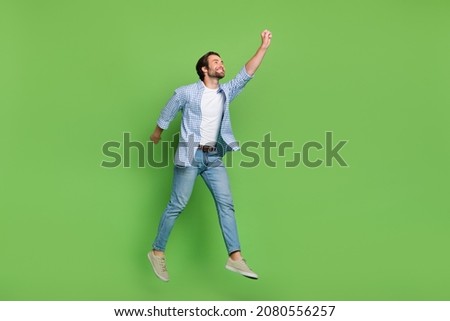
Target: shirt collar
column 201, row 86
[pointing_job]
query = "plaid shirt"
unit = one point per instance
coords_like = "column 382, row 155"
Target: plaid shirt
column 187, row 100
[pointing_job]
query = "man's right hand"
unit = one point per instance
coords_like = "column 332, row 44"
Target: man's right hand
column 156, row 136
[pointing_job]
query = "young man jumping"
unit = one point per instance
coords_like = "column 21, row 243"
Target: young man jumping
column 205, row 137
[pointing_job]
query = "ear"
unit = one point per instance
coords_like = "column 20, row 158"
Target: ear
column 205, row 69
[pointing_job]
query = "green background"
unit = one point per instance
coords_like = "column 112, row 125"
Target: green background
column 77, row 74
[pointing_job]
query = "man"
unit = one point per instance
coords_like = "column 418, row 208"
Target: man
column 205, row 137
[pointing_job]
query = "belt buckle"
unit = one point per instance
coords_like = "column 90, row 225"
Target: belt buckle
column 207, row 148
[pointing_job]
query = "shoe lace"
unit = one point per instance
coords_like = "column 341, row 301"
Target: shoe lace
column 245, row 264
column 162, row 264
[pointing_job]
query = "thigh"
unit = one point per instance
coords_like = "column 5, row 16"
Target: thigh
column 216, row 178
column 183, row 183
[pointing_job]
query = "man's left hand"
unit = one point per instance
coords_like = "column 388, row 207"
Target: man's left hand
column 266, row 36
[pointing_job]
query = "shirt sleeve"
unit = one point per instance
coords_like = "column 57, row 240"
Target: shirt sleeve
column 168, row 113
column 236, row 84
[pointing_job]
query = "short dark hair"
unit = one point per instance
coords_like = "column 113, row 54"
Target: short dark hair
column 203, row 62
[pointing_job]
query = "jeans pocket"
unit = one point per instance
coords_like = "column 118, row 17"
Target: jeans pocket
column 214, row 160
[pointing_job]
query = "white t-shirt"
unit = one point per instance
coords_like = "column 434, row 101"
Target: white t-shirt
column 212, row 109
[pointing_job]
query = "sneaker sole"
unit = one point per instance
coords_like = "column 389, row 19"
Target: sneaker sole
column 154, row 269
column 248, row 275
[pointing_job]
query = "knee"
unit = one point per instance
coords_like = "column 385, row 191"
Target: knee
column 176, row 206
column 226, row 205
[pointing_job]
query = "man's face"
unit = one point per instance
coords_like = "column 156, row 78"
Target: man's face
column 216, row 69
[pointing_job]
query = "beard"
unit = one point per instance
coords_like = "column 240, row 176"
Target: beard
column 216, row 73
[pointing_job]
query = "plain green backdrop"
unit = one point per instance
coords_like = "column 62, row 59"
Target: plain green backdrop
column 77, row 74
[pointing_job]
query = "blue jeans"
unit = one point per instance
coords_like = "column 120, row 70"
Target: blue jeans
column 213, row 172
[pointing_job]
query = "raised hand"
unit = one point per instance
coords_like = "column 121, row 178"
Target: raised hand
column 252, row 65
column 266, row 36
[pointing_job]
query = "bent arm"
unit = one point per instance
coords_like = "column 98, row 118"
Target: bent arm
column 167, row 115
column 252, row 65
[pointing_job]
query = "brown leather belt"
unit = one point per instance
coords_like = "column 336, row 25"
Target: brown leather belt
column 207, row 148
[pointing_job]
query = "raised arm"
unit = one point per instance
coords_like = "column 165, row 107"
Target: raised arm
column 252, row 65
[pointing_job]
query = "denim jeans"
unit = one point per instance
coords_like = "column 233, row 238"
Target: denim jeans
column 210, row 167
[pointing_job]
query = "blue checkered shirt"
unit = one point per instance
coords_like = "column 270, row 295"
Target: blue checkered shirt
column 187, row 99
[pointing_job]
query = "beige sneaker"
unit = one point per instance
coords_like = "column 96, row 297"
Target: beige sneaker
column 241, row 267
column 159, row 266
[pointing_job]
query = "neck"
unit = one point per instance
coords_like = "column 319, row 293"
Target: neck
column 212, row 83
